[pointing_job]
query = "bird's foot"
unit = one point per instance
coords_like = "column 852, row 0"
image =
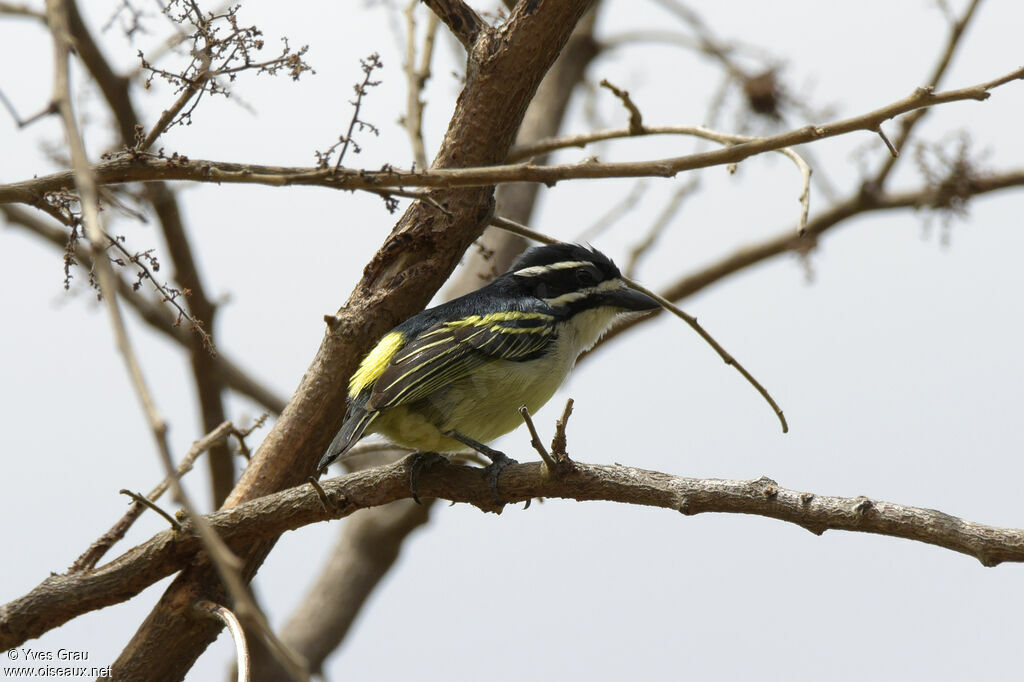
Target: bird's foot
column 499, row 460
column 421, row 461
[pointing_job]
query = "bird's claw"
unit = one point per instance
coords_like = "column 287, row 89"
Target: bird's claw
column 420, row 461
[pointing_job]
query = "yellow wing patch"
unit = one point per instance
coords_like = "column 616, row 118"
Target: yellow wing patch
column 375, row 362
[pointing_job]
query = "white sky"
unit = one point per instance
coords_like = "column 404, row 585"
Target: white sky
column 899, row 369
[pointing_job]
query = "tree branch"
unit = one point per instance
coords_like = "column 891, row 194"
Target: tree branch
column 145, row 168
column 59, row 598
column 464, row 23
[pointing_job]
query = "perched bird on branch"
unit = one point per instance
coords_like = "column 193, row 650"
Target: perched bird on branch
column 454, row 376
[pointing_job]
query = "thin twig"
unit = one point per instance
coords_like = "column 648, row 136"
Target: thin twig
column 805, row 192
column 368, row 65
column 726, row 357
column 636, row 119
column 167, row 296
column 140, row 499
column 535, row 438
column 558, row 443
column 888, row 143
column 194, row 87
column 234, row 626
column 50, row 108
column 522, row 230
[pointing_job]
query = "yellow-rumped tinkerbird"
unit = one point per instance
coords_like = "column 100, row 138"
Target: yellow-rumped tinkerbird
column 455, row 375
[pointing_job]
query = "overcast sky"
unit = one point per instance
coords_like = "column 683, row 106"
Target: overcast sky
column 894, row 351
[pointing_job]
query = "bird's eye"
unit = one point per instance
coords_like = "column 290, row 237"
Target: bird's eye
column 586, row 277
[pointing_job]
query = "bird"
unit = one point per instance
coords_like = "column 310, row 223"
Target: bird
column 454, row 376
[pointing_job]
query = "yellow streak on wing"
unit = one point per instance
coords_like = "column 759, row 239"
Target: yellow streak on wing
column 491, row 318
column 375, row 362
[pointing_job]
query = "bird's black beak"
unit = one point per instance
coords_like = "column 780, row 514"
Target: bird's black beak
column 630, row 299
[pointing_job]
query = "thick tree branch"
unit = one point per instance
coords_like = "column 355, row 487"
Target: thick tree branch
column 60, row 598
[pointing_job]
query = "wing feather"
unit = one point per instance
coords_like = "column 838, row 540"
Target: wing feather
column 449, row 351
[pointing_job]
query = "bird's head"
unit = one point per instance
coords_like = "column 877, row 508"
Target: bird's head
column 573, row 279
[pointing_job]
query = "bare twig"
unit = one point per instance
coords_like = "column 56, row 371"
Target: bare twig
column 368, row 66
column 888, row 143
column 558, row 443
column 636, row 119
column 194, row 87
column 50, row 108
column 167, row 296
column 141, row 500
column 535, row 438
column 234, row 626
column 727, row 358
column 805, row 191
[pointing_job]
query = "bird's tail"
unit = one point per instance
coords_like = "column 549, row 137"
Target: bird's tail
column 351, row 431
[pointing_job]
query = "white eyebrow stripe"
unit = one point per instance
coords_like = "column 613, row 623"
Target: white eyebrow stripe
column 583, row 293
column 541, row 269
